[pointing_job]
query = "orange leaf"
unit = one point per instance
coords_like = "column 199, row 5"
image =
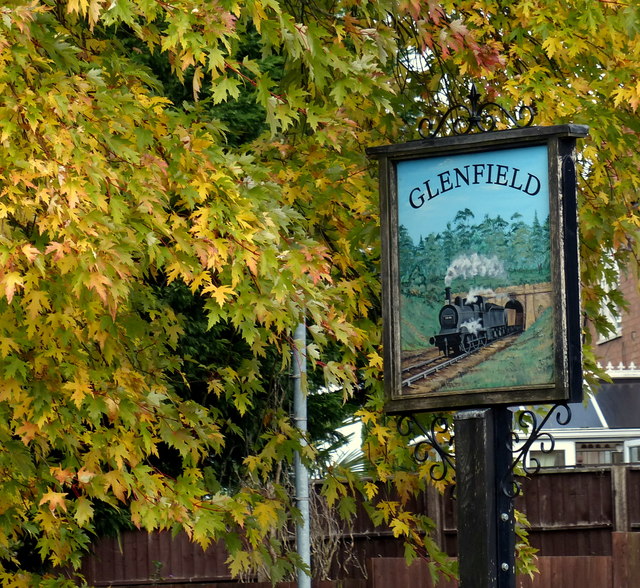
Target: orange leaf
column 56, row 500
column 98, row 282
column 27, row 432
column 30, row 252
column 12, row 281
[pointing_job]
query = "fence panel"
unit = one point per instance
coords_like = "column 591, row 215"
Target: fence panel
column 626, row 560
column 571, row 514
column 393, row 571
column 138, row 558
column 571, row 572
column 633, row 498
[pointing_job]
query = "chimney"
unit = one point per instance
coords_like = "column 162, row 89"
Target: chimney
column 447, row 294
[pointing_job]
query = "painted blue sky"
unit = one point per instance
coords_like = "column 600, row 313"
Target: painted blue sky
column 481, row 198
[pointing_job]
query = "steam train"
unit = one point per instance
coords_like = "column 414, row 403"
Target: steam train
column 468, row 324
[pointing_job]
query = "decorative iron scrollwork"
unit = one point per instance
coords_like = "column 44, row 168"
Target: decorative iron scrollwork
column 462, row 120
column 409, row 426
column 528, row 421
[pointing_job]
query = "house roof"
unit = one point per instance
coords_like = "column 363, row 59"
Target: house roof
column 615, row 405
column 619, row 402
column 583, row 416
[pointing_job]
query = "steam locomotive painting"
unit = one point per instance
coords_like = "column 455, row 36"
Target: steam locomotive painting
column 467, row 324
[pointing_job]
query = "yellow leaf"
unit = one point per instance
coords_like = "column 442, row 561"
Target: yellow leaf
column 552, row 46
column 76, row 6
column 36, row 301
column 94, row 12
column 252, row 462
column 219, row 293
column 399, row 527
column 375, row 361
column 7, row 345
column 197, row 82
column 371, row 490
column 381, row 432
column 79, row 388
column 238, row 562
column 239, row 512
column 266, row 514
column 113, row 480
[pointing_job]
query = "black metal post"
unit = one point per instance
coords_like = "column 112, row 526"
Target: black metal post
column 486, row 536
column 505, row 492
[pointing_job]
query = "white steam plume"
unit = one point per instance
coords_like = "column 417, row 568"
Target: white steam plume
column 471, row 266
column 486, row 292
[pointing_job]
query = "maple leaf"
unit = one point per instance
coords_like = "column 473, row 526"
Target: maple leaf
column 85, row 476
column 99, row 283
column 30, row 252
column 83, row 510
column 11, row 281
column 267, row 514
column 27, row 432
column 36, row 301
column 79, row 388
column 58, row 249
column 62, row 475
column 399, row 527
column 55, row 500
column 115, row 481
column 219, row 293
column 375, row 360
column 7, row 345
column 238, row 562
column 371, row 490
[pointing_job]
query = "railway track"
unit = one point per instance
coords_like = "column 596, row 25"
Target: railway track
column 440, row 363
column 422, row 364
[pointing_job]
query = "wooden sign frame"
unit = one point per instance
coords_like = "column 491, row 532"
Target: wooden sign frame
column 505, row 171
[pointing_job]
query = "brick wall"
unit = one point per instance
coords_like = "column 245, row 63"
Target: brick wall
column 625, row 349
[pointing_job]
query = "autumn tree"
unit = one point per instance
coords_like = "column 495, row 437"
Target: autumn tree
column 114, row 188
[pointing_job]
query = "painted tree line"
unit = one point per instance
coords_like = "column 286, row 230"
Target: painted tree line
column 181, row 183
column 514, row 253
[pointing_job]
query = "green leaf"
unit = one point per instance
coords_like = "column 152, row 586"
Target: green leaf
column 225, row 88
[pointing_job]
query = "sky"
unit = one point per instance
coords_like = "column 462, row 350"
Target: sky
column 490, row 189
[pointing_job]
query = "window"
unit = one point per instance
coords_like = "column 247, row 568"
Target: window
column 608, row 308
column 603, row 453
column 632, row 451
column 550, row 459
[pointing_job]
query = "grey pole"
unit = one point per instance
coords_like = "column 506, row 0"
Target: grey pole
column 303, row 542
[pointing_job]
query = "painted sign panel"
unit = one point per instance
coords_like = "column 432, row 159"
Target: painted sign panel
column 481, row 298
column 473, row 248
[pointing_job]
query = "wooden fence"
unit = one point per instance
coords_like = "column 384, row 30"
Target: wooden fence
column 584, row 523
